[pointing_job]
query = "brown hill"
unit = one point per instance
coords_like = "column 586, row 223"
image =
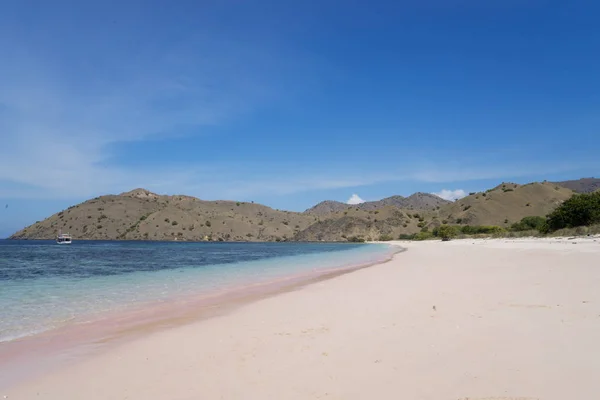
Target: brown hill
column 326, row 207
column 416, row 201
column 505, row 204
column 141, row 214
column 583, row 185
column 501, row 206
column 355, row 222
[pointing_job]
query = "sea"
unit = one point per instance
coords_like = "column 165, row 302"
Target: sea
column 45, row 286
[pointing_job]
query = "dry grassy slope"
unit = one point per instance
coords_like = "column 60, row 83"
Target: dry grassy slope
column 326, row 207
column 583, row 185
column 367, row 224
column 416, row 201
column 140, row 214
column 505, row 204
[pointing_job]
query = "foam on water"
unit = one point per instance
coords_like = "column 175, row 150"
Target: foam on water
column 44, row 286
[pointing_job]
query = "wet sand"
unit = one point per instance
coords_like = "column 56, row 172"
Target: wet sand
column 476, row 319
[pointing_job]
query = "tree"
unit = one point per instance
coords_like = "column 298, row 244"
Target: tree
column 580, row 210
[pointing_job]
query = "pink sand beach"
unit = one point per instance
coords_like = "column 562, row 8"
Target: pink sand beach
column 467, row 319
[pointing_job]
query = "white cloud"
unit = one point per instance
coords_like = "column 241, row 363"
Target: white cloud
column 355, row 199
column 451, row 194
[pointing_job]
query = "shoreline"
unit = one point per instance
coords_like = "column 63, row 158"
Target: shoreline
column 88, row 338
column 477, row 319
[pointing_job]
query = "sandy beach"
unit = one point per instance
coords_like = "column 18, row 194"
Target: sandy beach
column 467, row 319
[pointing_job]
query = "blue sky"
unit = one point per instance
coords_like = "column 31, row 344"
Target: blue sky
column 288, row 103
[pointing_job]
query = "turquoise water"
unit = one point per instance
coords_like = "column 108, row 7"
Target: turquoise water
column 45, row 286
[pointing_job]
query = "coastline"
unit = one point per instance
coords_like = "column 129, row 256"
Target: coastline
column 31, row 356
column 475, row 318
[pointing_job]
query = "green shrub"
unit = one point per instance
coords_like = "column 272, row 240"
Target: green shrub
column 207, row 223
column 356, row 239
column 528, row 223
column 406, row 236
column 580, row 210
column 423, row 236
column 385, row 238
column 446, row 232
column 174, row 223
column 481, row 229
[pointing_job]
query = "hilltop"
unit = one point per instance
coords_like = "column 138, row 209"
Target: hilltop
column 583, row 185
column 143, row 215
column 416, row 201
column 505, row 204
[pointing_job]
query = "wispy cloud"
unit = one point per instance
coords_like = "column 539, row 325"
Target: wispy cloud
column 355, row 199
column 59, row 133
column 451, row 195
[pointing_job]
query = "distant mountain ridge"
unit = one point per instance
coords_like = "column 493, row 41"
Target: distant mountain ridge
column 416, row 201
column 142, row 215
column 583, row 185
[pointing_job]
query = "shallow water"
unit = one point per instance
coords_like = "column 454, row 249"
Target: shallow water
column 44, row 286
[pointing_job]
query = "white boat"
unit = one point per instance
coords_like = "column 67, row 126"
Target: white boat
column 63, row 238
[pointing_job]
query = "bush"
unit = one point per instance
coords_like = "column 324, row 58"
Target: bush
column 356, row 239
column 482, row 229
column 423, row 236
column 528, row 223
column 579, row 210
column 174, row 223
column 446, row 232
column 405, row 236
column 385, row 238
column 207, row 223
